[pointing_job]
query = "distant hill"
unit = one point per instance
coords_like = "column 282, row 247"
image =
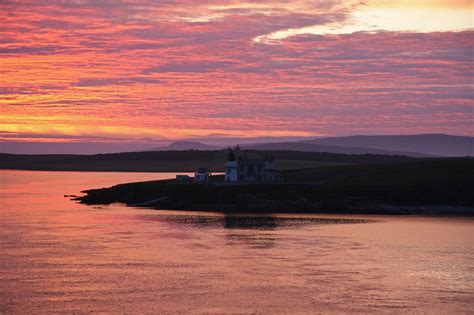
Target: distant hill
column 433, row 144
column 286, row 146
column 424, row 145
column 186, row 145
column 180, row 161
column 310, row 147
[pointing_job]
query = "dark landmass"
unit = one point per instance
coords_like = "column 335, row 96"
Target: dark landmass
column 187, row 145
column 434, row 144
column 179, row 161
column 437, row 186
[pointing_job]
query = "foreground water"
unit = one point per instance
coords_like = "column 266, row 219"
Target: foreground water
column 59, row 256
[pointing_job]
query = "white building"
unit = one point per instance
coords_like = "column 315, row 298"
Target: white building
column 245, row 168
column 231, row 171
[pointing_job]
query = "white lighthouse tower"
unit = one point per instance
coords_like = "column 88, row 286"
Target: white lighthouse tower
column 231, row 168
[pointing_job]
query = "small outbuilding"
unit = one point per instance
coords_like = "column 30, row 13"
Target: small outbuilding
column 202, row 175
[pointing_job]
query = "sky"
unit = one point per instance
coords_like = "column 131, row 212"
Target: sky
column 142, row 71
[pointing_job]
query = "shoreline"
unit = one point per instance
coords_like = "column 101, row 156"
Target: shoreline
column 374, row 210
column 281, row 198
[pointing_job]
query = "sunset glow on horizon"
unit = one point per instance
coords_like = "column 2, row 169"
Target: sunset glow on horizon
column 76, row 71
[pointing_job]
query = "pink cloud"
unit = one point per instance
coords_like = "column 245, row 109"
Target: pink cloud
column 193, row 66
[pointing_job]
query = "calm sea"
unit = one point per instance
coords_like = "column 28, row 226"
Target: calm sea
column 60, row 256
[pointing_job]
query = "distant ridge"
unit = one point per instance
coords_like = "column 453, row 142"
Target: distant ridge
column 431, row 144
column 310, row 147
column 187, row 145
column 423, row 145
column 286, row 146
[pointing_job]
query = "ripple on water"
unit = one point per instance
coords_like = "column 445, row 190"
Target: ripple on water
column 62, row 257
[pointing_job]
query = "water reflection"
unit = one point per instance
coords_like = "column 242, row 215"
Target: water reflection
column 61, row 257
column 247, row 222
column 253, row 223
column 251, row 240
